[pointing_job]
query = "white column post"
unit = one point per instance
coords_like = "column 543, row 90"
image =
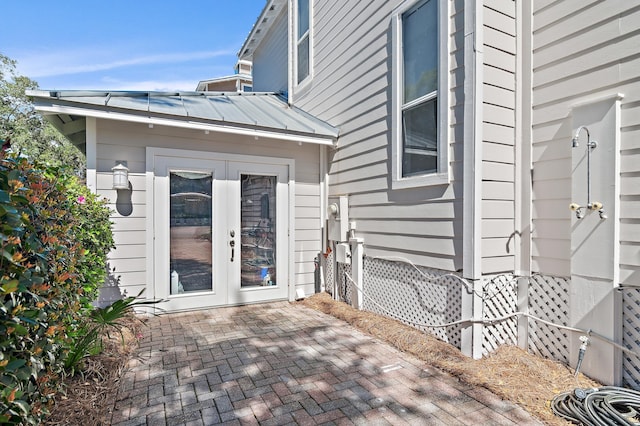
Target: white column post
column 472, row 187
column 91, row 154
column 523, row 306
column 334, row 266
column 357, row 272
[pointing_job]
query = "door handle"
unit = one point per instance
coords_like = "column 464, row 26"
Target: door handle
column 232, row 243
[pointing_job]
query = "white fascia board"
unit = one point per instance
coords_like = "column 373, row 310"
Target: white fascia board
column 260, row 28
column 118, row 116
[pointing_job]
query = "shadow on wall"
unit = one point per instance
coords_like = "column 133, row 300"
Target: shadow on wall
column 111, row 290
column 124, row 205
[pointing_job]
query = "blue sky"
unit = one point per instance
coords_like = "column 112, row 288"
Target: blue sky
column 125, row 45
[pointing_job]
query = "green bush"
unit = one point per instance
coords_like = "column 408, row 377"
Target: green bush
column 54, row 238
column 87, row 340
column 92, row 231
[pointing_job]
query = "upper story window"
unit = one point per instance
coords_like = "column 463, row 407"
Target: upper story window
column 302, row 41
column 420, row 149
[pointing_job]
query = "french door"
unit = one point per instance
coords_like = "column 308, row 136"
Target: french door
column 221, row 231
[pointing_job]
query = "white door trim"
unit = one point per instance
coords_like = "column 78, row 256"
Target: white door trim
column 152, row 152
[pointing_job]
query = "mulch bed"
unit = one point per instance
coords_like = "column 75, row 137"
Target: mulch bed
column 90, row 394
column 511, row 373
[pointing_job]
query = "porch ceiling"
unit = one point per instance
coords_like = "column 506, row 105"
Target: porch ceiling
column 262, row 114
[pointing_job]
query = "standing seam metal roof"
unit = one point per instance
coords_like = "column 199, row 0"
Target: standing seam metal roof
column 244, row 109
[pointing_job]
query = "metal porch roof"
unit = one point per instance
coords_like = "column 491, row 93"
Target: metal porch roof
column 266, row 112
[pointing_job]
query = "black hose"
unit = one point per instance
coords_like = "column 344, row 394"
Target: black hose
column 608, row 405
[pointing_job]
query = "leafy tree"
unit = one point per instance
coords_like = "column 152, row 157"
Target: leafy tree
column 30, row 134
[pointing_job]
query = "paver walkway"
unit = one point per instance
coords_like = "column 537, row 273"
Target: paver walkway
column 281, row 363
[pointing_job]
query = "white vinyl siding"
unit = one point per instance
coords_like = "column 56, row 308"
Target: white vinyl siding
column 270, row 71
column 582, row 51
column 118, row 141
column 498, row 146
column 351, row 91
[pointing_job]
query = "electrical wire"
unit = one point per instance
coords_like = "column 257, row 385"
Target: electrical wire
column 435, row 278
column 493, row 321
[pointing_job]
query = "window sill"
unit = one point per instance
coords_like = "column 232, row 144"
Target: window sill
column 420, row 181
column 303, row 85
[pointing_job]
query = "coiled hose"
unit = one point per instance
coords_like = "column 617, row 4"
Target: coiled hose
column 608, row 405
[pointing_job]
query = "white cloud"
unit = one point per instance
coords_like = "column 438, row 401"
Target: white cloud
column 78, row 62
column 151, row 85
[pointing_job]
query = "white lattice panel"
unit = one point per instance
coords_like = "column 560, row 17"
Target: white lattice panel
column 500, row 299
column 549, row 300
column 327, row 266
column 414, row 295
column 631, row 337
column 344, row 283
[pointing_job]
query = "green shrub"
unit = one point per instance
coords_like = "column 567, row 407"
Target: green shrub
column 92, row 231
column 50, row 267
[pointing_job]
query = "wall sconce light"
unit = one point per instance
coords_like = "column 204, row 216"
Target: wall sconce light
column 333, row 210
column 120, row 175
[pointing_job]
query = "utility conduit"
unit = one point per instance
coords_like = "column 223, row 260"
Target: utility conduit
column 487, row 321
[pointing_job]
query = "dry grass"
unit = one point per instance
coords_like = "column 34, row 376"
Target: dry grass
column 511, row 373
column 90, row 395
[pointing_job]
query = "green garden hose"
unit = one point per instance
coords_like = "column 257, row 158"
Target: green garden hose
column 608, row 405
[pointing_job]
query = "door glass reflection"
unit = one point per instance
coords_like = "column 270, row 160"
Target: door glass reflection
column 258, row 221
column 190, row 230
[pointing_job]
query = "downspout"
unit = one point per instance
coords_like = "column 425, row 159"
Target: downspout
column 291, row 46
column 472, row 177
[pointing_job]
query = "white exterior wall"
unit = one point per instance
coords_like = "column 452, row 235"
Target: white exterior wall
column 350, row 88
column 582, row 51
column 270, row 61
column 125, row 141
column 498, row 134
column 585, row 54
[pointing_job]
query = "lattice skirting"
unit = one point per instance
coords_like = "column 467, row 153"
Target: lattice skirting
column 338, row 272
column 500, row 297
column 414, row 295
column 421, row 296
column 344, row 283
column 549, row 300
column 326, row 263
column 631, row 337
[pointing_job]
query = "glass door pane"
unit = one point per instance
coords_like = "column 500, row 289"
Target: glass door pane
column 190, row 221
column 258, row 230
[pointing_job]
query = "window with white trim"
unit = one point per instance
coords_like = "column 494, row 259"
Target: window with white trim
column 420, row 149
column 303, row 45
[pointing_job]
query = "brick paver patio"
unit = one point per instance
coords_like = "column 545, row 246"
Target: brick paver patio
column 281, row 363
